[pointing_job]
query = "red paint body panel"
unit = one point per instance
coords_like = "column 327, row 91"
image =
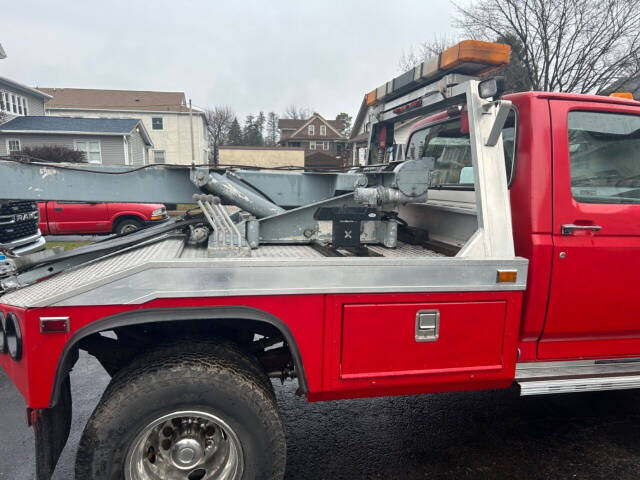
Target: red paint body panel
column 303, row 315
column 391, row 336
column 531, row 208
column 593, row 308
column 316, row 331
column 67, row 218
column 470, row 336
column 20, row 372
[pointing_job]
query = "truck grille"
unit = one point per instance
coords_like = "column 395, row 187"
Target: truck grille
column 17, row 207
column 11, row 228
column 9, row 233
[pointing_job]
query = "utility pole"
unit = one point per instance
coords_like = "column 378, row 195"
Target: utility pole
column 193, row 153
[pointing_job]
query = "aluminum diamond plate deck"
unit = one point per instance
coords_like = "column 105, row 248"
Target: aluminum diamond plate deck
column 84, row 275
column 403, row 250
column 167, row 269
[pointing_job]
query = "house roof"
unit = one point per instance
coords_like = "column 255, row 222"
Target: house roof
column 76, row 125
column 290, row 123
column 99, row 99
column 333, row 132
column 25, row 88
column 359, row 121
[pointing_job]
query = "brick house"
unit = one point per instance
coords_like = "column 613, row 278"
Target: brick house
column 315, row 134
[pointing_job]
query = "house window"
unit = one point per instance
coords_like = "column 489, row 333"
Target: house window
column 13, row 146
column 323, row 130
column 13, row 104
column 294, row 144
column 312, row 130
column 325, row 145
column 159, row 157
column 91, row 149
column 312, row 144
column 156, row 123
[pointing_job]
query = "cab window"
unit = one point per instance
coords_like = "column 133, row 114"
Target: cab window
column 604, row 155
column 449, row 144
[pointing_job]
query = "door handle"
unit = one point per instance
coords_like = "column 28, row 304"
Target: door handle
column 569, row 228
column 57, row 209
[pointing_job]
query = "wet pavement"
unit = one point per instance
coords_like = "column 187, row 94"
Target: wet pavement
column 74, row 238
column 477, row 435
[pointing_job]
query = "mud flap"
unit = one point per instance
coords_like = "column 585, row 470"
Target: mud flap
column 51, row 428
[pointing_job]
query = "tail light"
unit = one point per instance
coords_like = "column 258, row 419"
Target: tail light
column 382, row 140
column 3, row 336
column 11, row 336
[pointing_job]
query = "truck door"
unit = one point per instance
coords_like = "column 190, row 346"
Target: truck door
column 74, row 217
column 594, row 303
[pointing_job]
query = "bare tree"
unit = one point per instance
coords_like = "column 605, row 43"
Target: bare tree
column 297, row 113
column 418, row 53
column 218, row 124
column 568, row 45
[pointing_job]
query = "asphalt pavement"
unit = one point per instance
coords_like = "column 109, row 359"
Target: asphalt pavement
column 473, row 435
column 74, row 238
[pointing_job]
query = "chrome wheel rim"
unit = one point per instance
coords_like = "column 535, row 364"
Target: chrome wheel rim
column 129, row 228
column 185, row 445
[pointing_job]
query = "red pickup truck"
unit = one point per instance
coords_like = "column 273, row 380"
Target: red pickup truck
column 71, row 218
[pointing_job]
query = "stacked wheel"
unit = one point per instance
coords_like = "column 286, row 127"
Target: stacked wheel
column 192, row 411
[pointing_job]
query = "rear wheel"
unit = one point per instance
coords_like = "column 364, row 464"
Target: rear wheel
column 127, row 225
column 198, row 413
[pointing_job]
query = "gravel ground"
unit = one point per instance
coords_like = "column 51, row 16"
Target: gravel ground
column 477, row 435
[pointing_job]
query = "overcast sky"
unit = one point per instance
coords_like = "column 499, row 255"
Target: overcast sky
column 250, row 55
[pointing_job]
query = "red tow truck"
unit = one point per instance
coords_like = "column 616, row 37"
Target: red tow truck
column 502, row 252
column 76, row 218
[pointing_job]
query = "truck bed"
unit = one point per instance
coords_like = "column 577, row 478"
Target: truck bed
column 170, row 268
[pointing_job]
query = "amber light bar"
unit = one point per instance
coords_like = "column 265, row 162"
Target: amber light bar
column 627, row 95
column 469, row 57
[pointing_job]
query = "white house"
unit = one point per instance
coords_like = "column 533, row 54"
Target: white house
column 165, row 115
column 18, row 100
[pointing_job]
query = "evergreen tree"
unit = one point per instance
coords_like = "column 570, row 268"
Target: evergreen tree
column 248, row 134
column 272, row 129
column 235, row 133
column 253, row 128
column 259, row 129
column 515, row 74
column 345, row 123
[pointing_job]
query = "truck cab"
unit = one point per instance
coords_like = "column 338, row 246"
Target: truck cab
column 572, row 169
